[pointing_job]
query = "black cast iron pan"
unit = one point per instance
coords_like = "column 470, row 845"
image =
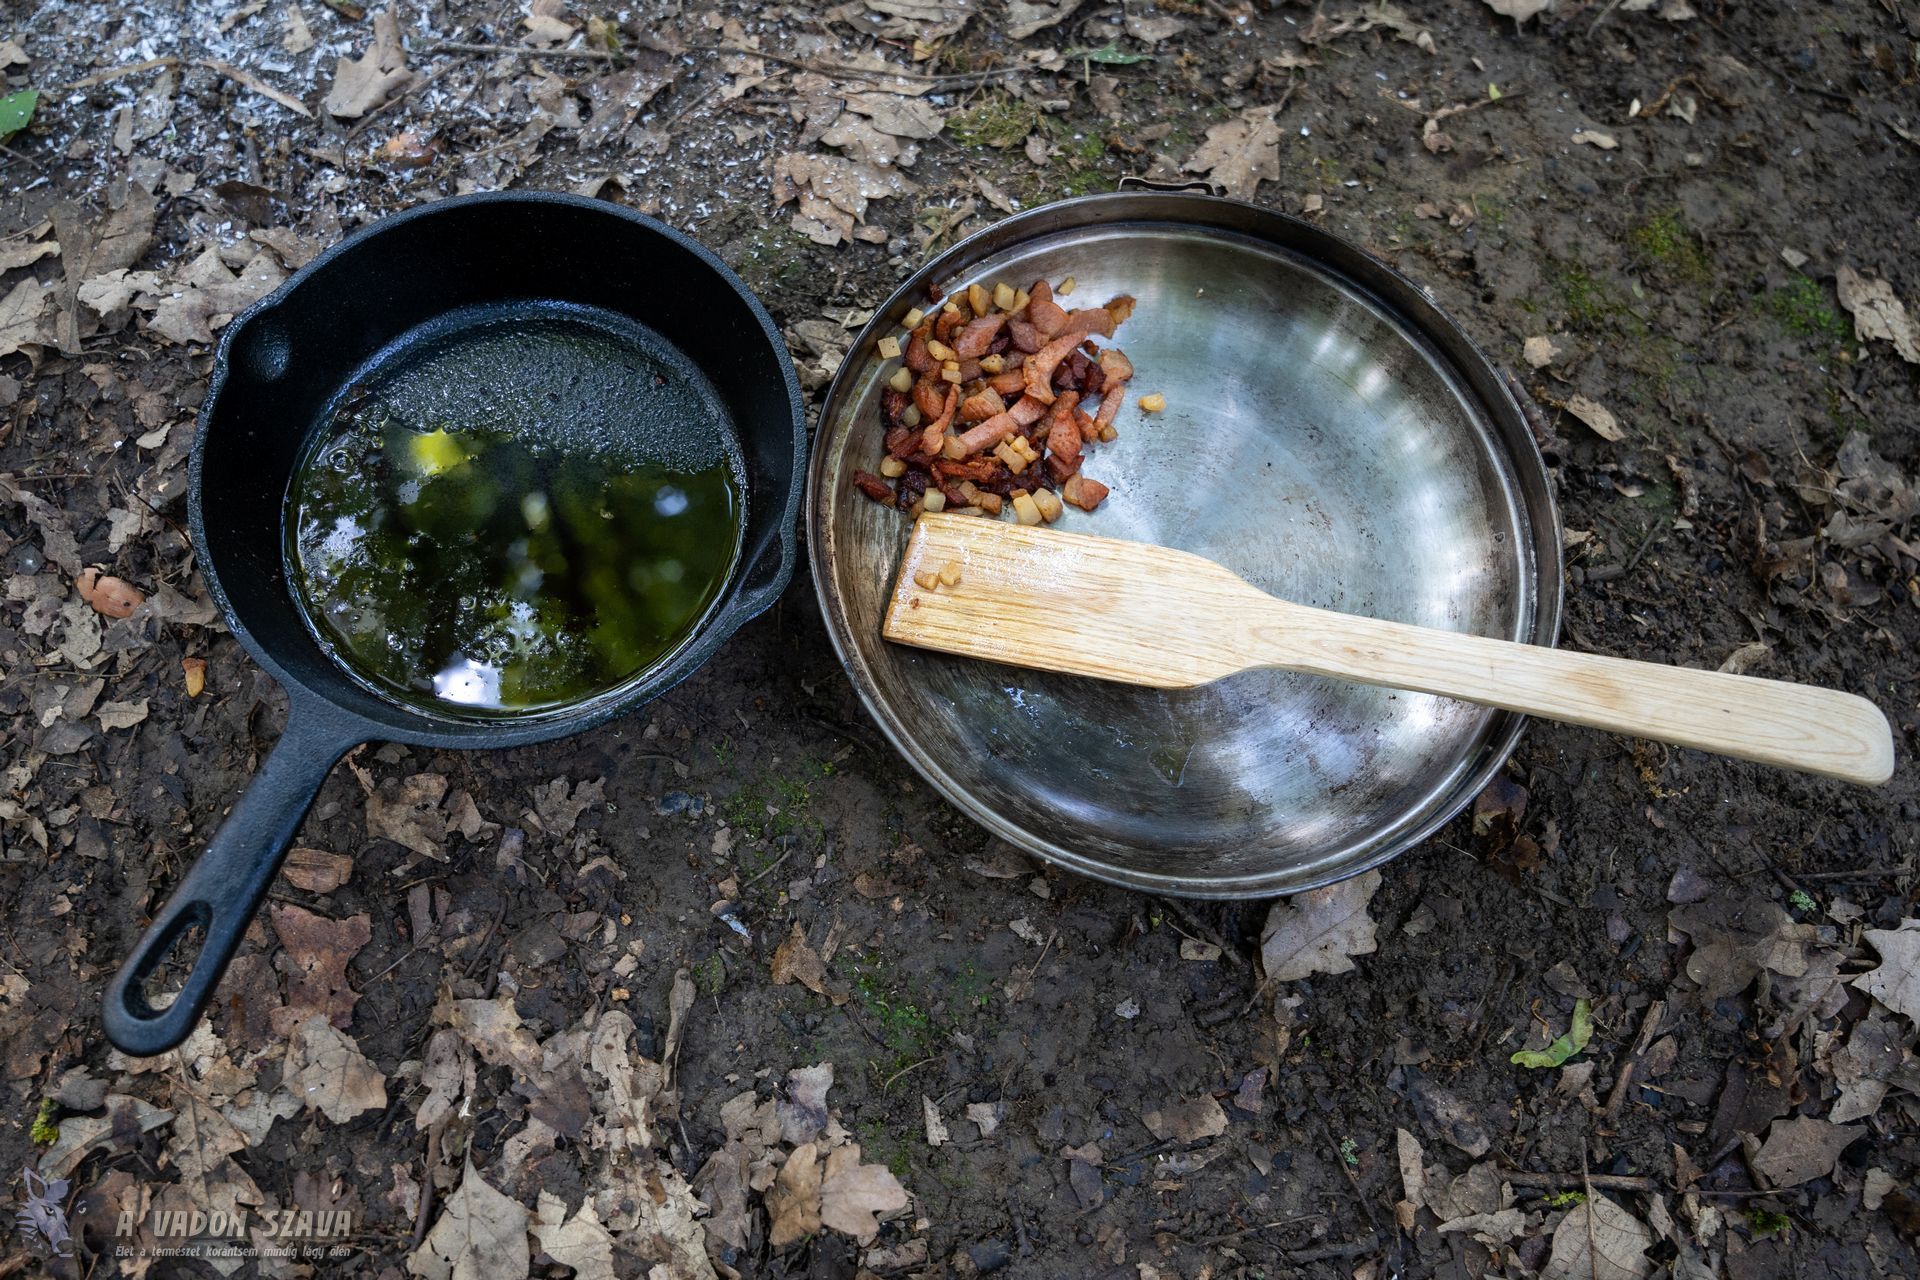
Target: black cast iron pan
column 279, row 367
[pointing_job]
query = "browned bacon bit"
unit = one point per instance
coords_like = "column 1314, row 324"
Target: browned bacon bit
column 998, row 382
column 982, row 405
column 1063, row 437
column 918, row 358
column 1082, row 492
column 1048, row 316
column 978, row 336
column 933, row 439
column 930, row 396
column 987, row 434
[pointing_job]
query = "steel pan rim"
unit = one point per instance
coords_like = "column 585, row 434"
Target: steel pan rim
column 1516, row 452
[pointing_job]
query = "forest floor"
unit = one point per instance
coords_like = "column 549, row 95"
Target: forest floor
column 722, row 987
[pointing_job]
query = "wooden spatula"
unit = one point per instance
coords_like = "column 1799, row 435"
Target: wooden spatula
column 1141, row 614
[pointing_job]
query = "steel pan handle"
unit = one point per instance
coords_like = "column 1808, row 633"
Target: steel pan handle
column 221, row 892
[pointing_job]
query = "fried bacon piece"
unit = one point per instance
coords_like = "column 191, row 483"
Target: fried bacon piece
column 918, row 358
column 1063, row 437
column 978, row 336
column 982, row 405
column 1047, row 387
column 934, row 437
column 1083, row 493
column 985, row 435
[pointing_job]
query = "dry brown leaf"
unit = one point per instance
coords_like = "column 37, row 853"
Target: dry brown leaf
column 580, row 1242
column 1735, row 938
column 894, row 113
column 1595, row 138
column 207, row 295
column 27, row 252
column 80, row 1136
column 315, row 870
column 314, row 954
column 1599, row 1240
column 1187, row 1121
column 832, row 192
column 852, row 1194
column 1877, row 313
column 1026, row 17
column 924, row 21
column 1802, row 1149
column 410, row 816
column 121, row 715
column 20, row 316
column 1597, row 417
column 803, row 1112
column 1319, row 931
column 1240, row 153
column 795, row 960
column 1151, row 31
column 793, row 1201
column 481, row 1235
column 363, row 83
column 1895, row 982
column 326, row 1071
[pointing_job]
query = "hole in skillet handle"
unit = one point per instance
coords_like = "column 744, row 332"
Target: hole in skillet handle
column 220, row 893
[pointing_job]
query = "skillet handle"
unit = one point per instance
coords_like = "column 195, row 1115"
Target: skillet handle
column 765, row 579
column 220, row 893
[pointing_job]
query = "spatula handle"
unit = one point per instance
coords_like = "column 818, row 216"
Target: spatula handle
column 1773, row 722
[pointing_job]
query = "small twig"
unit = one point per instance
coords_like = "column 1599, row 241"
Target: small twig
column 957, row 80
column 131, row 69
column 523, row 51
column 1197, row 931
column 1213, row 1241
column 22, row 156
column 1559, row 1181
column 426, row 1187
column 765, row 871
column 905, row 1071
column 1656, row 1010
column 247, row 80
column 1329, row 1252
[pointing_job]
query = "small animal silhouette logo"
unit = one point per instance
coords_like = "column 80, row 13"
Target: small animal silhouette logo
column 42, row 1214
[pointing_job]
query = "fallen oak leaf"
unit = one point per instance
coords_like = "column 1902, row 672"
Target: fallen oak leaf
column 793, row 1201
column 481, row 1235
column 1801, row 1149
column 1240, row 153
column 314, row 951
column 795, row 960
column 1597, row 417
column 361, row 84
column 410, row 816
column 1187, row 1121
column 1895, row 981
column 326, row 1071
column 1598, row 1240
column 1320, row 930
column 853, row 1194
column 1877, row 313
column 580, row 1242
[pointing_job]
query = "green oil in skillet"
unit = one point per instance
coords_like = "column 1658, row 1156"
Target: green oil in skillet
column 516, row 515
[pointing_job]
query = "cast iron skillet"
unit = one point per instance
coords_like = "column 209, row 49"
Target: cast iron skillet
column 278, row 367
